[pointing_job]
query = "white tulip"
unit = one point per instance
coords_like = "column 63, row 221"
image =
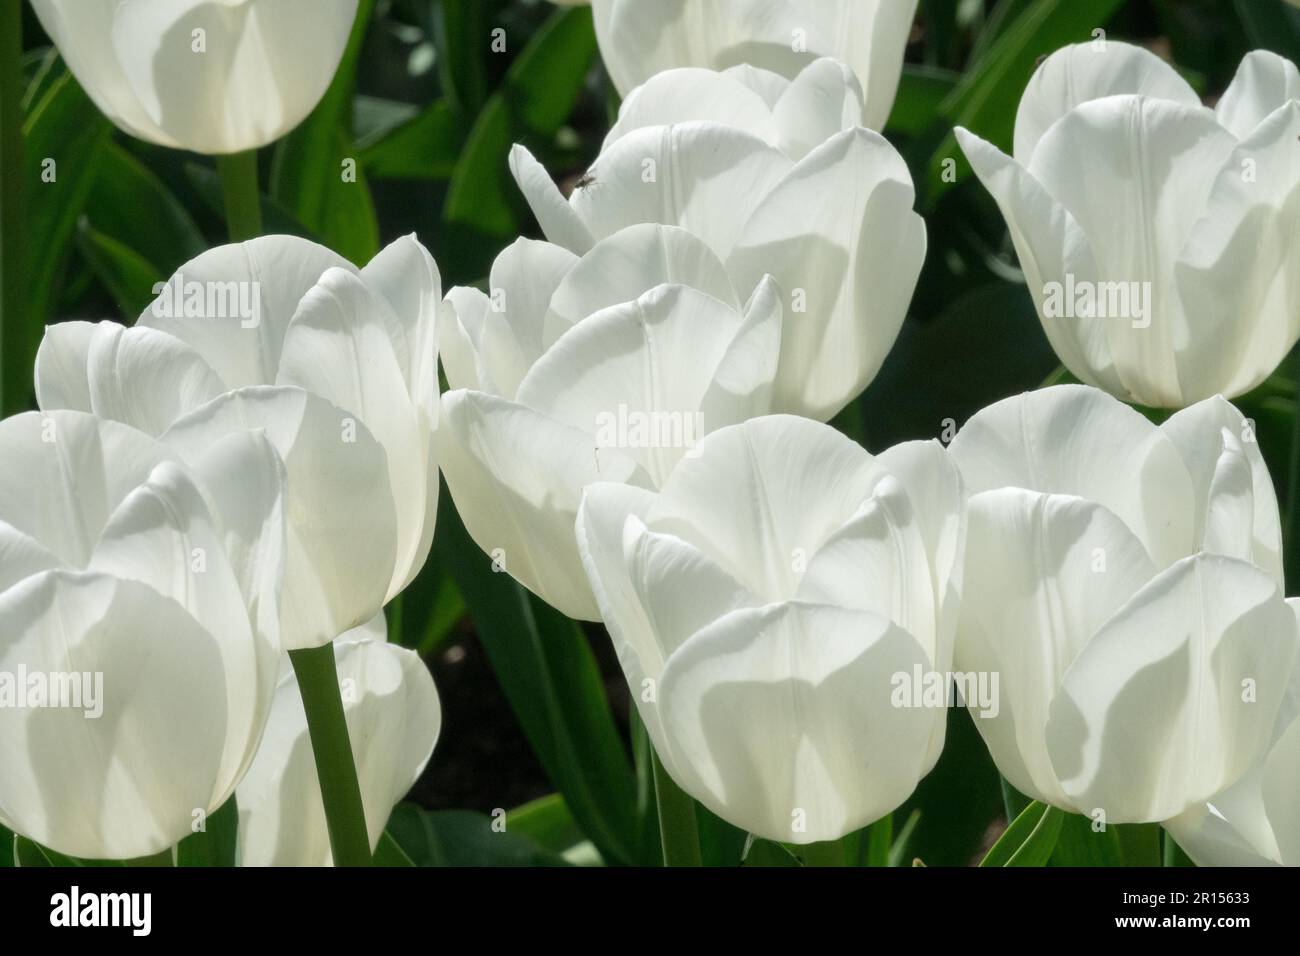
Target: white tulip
column 639, row 39
column 393, row 715
column 148, row 591
column 1256, row 821
column 567, row 373
column 765, row 604
column 1156, row 234
column 339, row 366
column 774, row 177
column 1124, row 580
column 212, row 76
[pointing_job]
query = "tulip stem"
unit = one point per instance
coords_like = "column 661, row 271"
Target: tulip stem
column 345, row 816
column 238, row 172
column 677, row 828
column 13, row 385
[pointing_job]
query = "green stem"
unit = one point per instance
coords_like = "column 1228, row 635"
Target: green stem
column 164, row 858
column 13, row 386
column 345, row 817
column 677, row 828
column 238, row 172
column 1291, row 541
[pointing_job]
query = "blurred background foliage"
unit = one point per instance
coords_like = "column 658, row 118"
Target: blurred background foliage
column 427, row 102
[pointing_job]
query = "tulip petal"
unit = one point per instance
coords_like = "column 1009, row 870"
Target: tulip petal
column 603, row 514
column 345, row 345
column 141, row 377
column 262, row 69
column 1263, row 83
column 759, row 498
column 393, row 716
column 524, row 280
column 517, row 476
column 340, row 557
column 691, row 93
column 408, row 279
column 635, row 375
column 1137, row 191
column 460, row 334
column 63, row 366
column 21, row 557
column 1232, row 829
column 1234, row 493
column 66, row 473
column 1050, row 247
column 781, row 720
column 824, row 99
column 1083, row 72
column 839, row 236
column 703, row 177
column 1074, row 440
column 1042, row 573
column 79, row 29
column 559, row 222
column 1173, row 699
column 628, row 264
column 233, row 304
column 681, row 589
column 1280, row 784
column 878, row 562
column 1242, row 259
column 742, row 383
column 934, row 487
column 107, row 787
column 163, row 536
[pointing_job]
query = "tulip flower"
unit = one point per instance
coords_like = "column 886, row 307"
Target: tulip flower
column 1124, row 580
column 1255, row 822
column 212, row 76
column 139, row 631
column 337, row 365
column 638, row 40
column 766, row 602
column 393, row 717
column 568, row 374
column 831, row 222
column 1155, row 234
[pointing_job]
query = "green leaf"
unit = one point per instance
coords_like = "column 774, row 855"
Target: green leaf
column 900, row 854
column 1139, row 843
column 1029, row 840
column 308, row 171
column 389, row 853
column 535, row 98
column 1273, row 25
column 215, row 844
column 758, row 852
column 127, row 276
column 550, row 677
column 547, row 822
column 986, row 99
column 464, row 42
column 63, row 127
column 921, row 92
column 460, row 838
column 131, row 205
column 1080, row 845
column 424, row 147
